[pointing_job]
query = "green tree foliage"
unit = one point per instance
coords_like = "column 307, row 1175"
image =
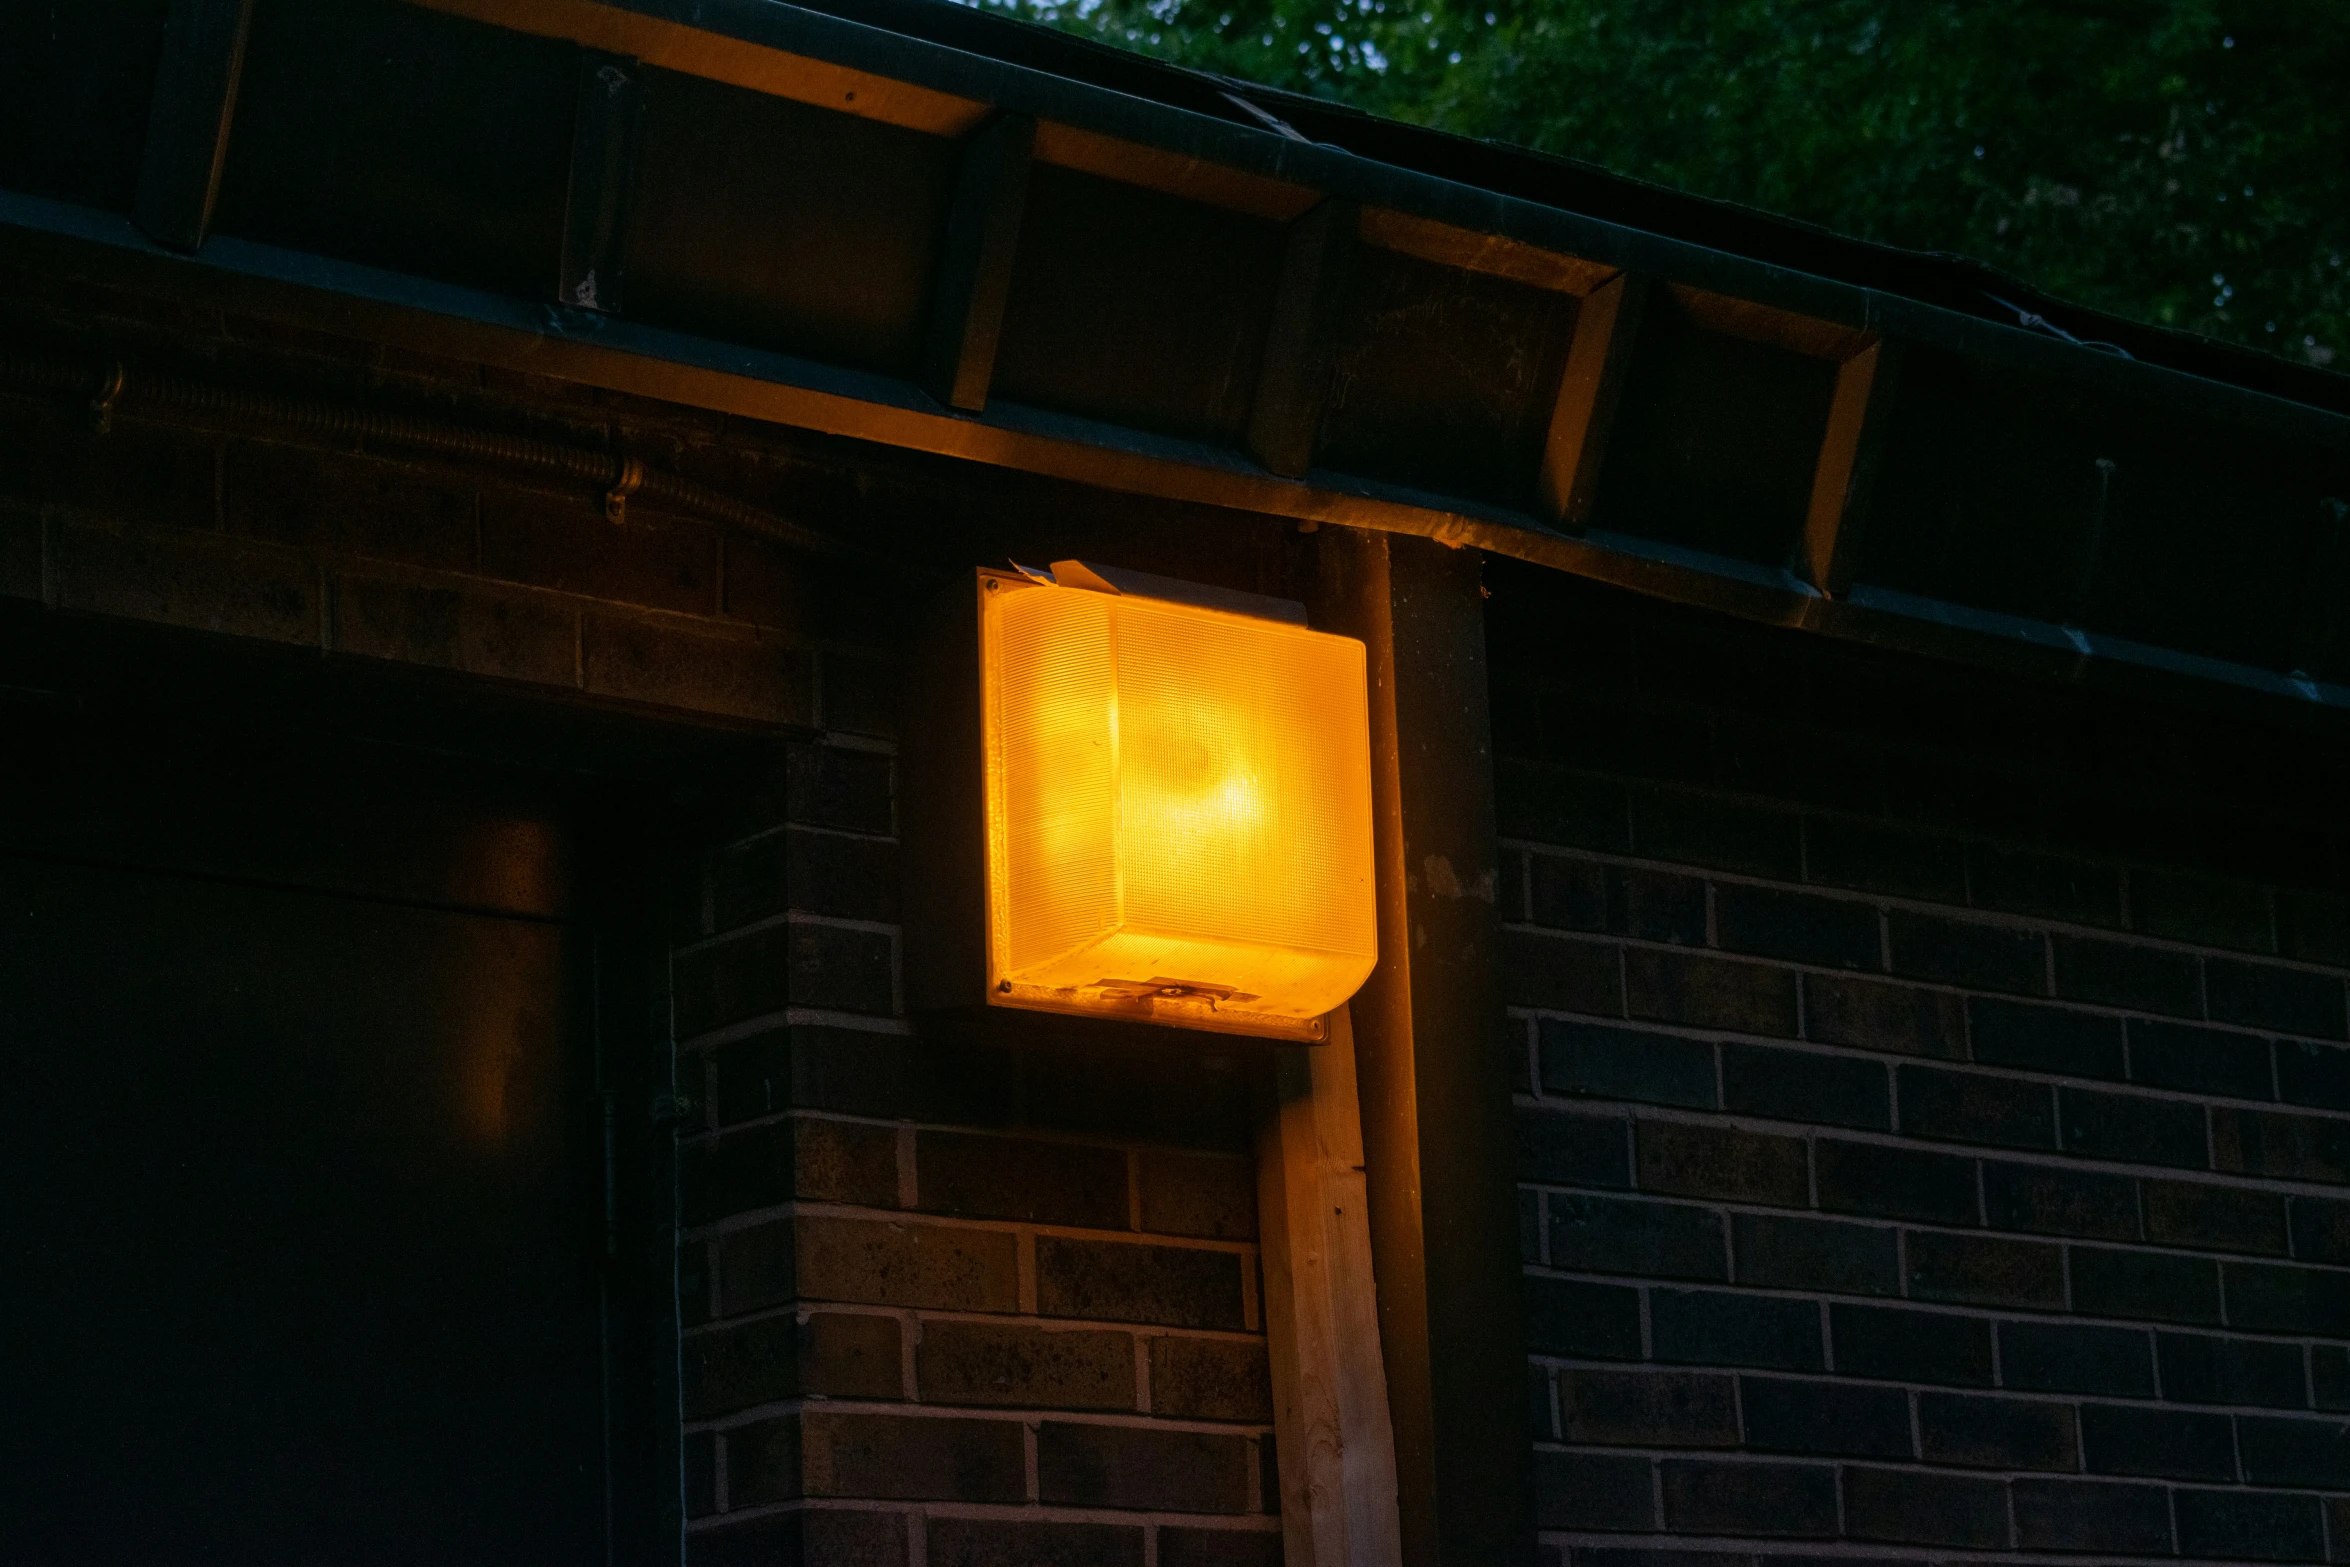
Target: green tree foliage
column 2185, row 162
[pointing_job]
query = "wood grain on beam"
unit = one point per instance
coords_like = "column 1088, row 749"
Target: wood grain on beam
column 975, row 271
column 1493, row 254
column 1153, row 168
column 1859, row 413
column 674, row 46
column 603, row 168
column 1333, row 1442
column 187, row 124
column 1606, row 328
column 1757, row 323
column 1435, row 1091
column 1294, row 381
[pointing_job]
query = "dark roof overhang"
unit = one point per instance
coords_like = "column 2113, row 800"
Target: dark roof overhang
column 909, row 223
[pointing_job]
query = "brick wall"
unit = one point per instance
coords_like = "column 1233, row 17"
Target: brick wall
column 1930, row 1098
column 950, row 1305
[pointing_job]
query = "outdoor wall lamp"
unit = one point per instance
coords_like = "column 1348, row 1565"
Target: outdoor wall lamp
column 1133, row 798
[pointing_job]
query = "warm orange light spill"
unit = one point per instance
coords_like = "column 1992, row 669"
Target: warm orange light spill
column 1178, row 810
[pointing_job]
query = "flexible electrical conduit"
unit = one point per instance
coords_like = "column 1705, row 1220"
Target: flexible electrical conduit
column 115, row 388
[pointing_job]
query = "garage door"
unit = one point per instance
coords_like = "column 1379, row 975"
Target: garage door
column 302, row 1202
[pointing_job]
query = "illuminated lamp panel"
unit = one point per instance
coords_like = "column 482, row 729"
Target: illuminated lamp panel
column 1178, row 811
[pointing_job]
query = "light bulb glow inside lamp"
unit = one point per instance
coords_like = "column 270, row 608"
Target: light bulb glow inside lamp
column 1178, row 808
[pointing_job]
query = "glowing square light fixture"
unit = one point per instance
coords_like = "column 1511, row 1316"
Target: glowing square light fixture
column 1177, row 804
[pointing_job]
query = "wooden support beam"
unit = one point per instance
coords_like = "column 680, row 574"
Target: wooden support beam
column 975, row 272
column 1434, row 1088
column 1294, row 380
column 603, row 173
column 1859, row 413
column 1332, row 1438
column 2322, row 623
column 1607, row 325
column 1496, row 255
column 188, row 120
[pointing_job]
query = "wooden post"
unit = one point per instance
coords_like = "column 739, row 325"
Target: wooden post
column 975, row 269
column 188, row 120
column 1607, row 324
column 1332, row 1438
column 1433, row 1083
column 1859, row 414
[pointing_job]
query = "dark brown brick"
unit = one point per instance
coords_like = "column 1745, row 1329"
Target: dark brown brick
column 1591, row 1491
column 757, row 1267
column 1211, row 1379
column 1974, row 1432
column 1649, row 1239
column 501, row 636
column 1870, row 858
column 700, row 1462
column 1793, row 1501
column 1207, row 1195
column 1920, row 1507
column 1976, row 1107
column 1797, row 927
column 1560, row 975
column 2249, row 1526
column 656, row 562
column 996, row 1542
column 772, row 966
column 1581, row 1319
column 747, row 675
column 2313, row 1453
column 1550, row 805
column 1830, row 1419
column 847, row 1354
column 1617, row 900
column 1701, row 992
column 199, row 581
column 2070, row 1357
column 2267, row 1297
column 2092, row 1515
column 2207, row 910
column 1116, row 1281
column 1141, row 1468
column 1897, row 1344
column 832, row 786
column 2279, row 1145
column 1179, row 1547
column 2264, row 995
column 2212, row 1217
column 1959, row 952
column 835, row 874
column 1984, row 1270
column 881, row 1263
column 2109, row 1282
column 1573, row 1150
column 2321, row 1230
column 1608, row 1061
column 2313, row 927
column 2203, row 1368
column 983, row 1177
column 1873, row 1015
column 1686, row 1160
column 913, row 1458
column 1006, row 1364
column 2200, row 1060
column 764, row 1462
column 1690, row 829
column 2048, row 886
column 1805, row 1086
column 2124, row 974
column 845, row 1161
column 1815, row 1254
column 2050, row 1200
column 736, row 1367
column 1718, row 1328
column 2313, row 1075
column 2133, row 1128
column 1648, row 1408
column 2046, row 1039
column 2168, row 1444
column 1895, row 1183
column 347, row 506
